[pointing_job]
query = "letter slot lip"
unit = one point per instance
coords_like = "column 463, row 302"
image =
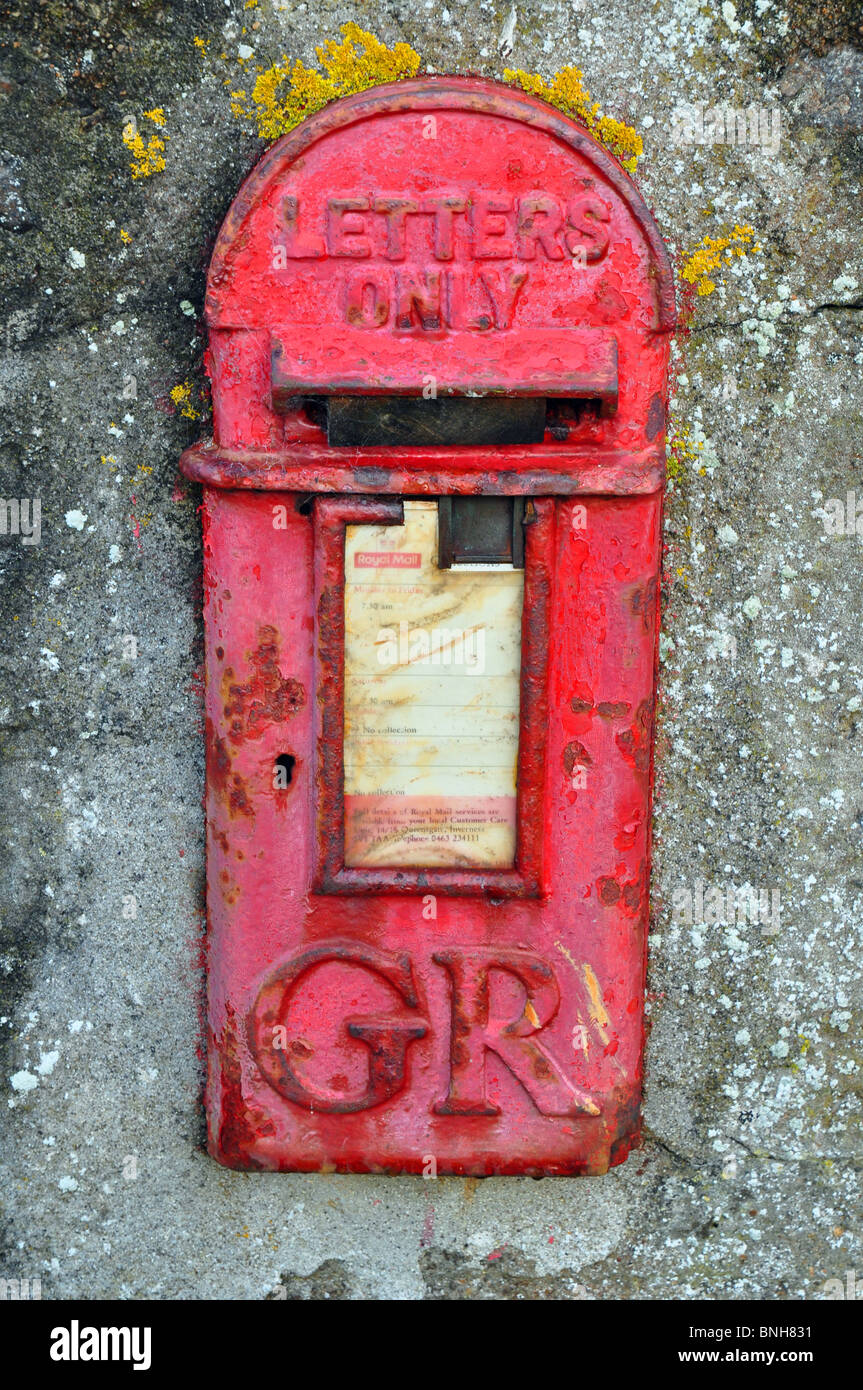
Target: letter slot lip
column 557, row 362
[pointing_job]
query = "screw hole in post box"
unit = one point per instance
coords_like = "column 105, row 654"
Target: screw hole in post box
column 283, row 771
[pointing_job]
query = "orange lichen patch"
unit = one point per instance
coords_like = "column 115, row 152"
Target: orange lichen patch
column 181, row 395
column 683, row 451
column 285, row 94
column 710, row 253
column 568, row 93
column 147, row 158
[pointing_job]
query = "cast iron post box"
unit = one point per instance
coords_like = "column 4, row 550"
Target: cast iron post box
column 439, row 317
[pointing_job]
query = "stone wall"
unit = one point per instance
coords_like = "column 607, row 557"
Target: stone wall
column 749, row 1176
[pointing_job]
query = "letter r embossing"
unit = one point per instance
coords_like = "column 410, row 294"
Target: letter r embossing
column 477, row 1031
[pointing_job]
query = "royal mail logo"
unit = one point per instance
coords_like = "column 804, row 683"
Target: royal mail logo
column 387, row 560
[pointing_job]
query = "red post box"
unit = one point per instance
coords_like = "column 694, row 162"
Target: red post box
column 439, row 316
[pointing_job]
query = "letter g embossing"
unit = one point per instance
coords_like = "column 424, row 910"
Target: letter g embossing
column 386, row 1037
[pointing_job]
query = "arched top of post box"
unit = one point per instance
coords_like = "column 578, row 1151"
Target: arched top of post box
column 283, row 169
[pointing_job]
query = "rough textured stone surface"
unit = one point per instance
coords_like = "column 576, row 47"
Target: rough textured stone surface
column 748, row 1183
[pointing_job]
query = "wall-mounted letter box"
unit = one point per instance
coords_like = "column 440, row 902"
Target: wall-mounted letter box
column 439, row 317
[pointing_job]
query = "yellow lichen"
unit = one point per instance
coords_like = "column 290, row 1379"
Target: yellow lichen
column 683, row 452
column 181, row 395
column 711, row 252
column 125, row 236
column 568, row 93
column 147, row 158
column 200, row 43
column 285, row 94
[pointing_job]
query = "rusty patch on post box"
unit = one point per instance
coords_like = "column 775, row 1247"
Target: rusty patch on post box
column 613, row 710
column 237, row 1135
column 636, row 742
column 575, row 755
column 224, row 782
column 267, row 697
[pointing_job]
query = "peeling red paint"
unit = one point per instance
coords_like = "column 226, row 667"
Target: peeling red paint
column 636, row 743
column 237, row 1133
column 575, row 755
column 267, row 697
column 608, row 709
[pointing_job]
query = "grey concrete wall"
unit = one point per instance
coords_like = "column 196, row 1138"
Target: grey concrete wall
column 748, row 1182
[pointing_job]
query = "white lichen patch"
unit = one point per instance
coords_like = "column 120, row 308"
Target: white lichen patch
column 23, row 1081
